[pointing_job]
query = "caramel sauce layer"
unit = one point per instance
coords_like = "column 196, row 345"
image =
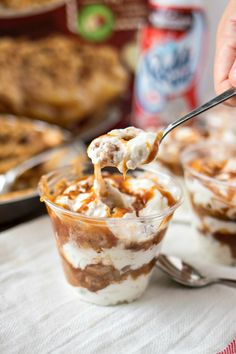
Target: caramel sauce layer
column 213, row 168
column 84, row 233
column 203, row 211
column 97, row 277
column 89, row 235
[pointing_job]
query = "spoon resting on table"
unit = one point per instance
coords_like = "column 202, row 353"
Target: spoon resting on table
column 187, row 275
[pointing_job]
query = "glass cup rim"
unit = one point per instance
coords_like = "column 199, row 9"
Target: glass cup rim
column 198, row 147
column 167, row 211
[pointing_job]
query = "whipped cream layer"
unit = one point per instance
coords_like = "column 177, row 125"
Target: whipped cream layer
column 120, row 258
column 125, row 149
column 215, row 251
column 125, row 291
column 143, row 196
column 214, row 225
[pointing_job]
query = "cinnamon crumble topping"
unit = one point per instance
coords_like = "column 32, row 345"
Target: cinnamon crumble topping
column 58, row 79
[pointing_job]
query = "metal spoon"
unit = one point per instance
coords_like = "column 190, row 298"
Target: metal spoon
column 187, row 275
column 68, row 150
column 210, row 104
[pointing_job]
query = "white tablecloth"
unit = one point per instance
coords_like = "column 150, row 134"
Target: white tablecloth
column 40, row 313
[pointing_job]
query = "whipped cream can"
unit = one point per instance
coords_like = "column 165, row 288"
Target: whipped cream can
column 172, row 51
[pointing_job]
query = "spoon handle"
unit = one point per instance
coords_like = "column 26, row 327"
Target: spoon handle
column 228, row 282
column 212, row 103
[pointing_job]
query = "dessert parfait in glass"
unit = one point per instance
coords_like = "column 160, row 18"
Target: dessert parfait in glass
column 169, row 154
column 210, row 176
column 109, row 227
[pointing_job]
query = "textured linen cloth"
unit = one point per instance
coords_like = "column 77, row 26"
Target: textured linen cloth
column 40, row 313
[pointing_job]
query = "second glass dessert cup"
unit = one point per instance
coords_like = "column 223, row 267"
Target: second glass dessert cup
column 108, row 260
column 213, row 200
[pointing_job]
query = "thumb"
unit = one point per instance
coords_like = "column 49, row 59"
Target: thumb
column 232, row 75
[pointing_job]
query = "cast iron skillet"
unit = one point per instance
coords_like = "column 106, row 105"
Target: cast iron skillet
column 17, row 207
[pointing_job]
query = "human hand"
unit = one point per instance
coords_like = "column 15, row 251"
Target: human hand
column 225, row 57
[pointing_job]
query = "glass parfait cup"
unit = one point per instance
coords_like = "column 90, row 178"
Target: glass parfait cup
column 108, row 260
column 213, row 202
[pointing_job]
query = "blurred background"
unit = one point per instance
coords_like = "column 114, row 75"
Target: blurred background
column 71, row 70
column 214, row 13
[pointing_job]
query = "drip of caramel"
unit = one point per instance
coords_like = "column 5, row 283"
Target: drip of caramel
column 166, row 194
column 154, row 149
column 125, row 170
column 102, row 190
column 119, row 212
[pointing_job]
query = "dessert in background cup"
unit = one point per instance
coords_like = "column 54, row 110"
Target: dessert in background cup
column 221, row 122
column 210, row 176
column 109, row 241
column 216, row 124
column 176, row 141
column 169, row 153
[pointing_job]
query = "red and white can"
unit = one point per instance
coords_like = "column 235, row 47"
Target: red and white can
column 172, row 51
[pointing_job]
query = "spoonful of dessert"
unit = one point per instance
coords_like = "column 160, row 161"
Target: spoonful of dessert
column 125, row 149
column 131, row 147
